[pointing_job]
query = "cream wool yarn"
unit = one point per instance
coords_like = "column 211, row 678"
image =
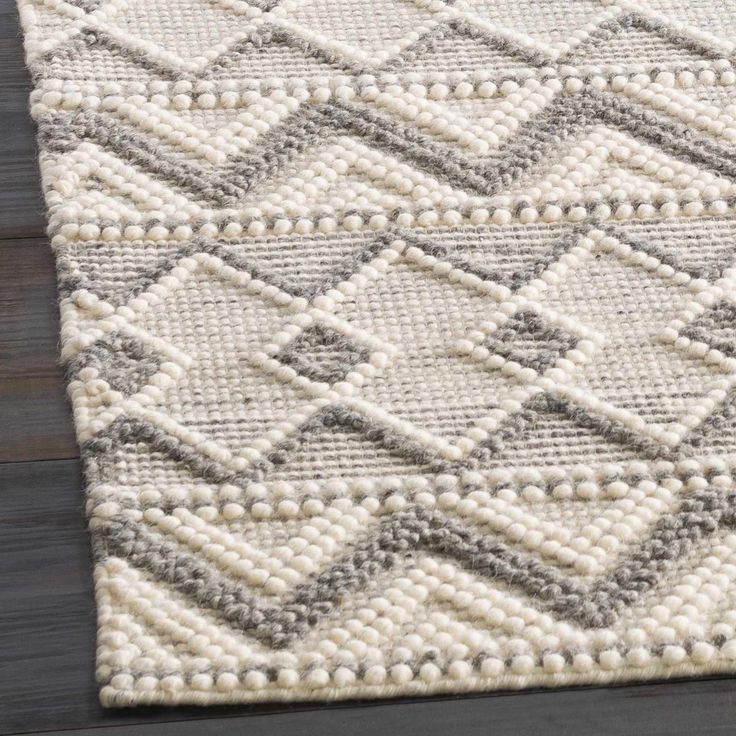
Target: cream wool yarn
column 401, row 338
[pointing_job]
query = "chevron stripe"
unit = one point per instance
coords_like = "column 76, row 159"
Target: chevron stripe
column 463, row 23
column 532, row 144
column 132, row 147
column 593, row 606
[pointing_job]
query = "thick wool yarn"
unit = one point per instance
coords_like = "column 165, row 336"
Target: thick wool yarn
column 401, row 338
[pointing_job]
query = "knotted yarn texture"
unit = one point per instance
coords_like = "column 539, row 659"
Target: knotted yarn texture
column 401, row 338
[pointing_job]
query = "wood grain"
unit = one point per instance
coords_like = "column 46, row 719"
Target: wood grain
column 13, row 70
column 21, row 204
column 36, row 417
column 702, row 709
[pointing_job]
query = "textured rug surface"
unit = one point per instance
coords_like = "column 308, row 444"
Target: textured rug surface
column 401, row 338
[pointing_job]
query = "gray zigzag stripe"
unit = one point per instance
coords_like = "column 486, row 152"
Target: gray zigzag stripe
column 273, row 35
column 533, row 57
column 417, row 529
column 340, row 416
column 337, row 415
column 512, row 280
column 229, row 254
column 676, row 138
column 278, row 146
column 90, row 38
column 532, row 144
column 705, row 328
column 620, row 26
column 267, row 35
column 60, row 132
column 198, row 580
column 605, row 32
column 608, row 30
column 270, row 35
column 612, row 431
column 706, row 271
column 131, row 430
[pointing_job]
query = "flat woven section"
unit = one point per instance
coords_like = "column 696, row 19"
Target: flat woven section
column 401, row 338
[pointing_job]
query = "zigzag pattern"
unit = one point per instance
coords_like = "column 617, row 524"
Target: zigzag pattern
column 512, row 179
column 400, row 338
column 531, row 145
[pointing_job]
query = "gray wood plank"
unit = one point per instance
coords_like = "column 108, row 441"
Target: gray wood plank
column 705, row 709
column 29, row 326
column 21, row 203
column 46, row 617
column 12, row 64
column 36, row 416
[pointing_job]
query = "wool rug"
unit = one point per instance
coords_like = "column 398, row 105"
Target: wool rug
column 401, row 338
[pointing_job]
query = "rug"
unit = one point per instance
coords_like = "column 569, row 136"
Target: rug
column 401, row 338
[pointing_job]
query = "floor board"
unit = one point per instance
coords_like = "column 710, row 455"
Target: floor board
column 21, row 204
column 37, row 422
column 702, row 710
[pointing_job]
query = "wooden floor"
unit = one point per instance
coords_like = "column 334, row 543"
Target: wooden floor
column 47, row 621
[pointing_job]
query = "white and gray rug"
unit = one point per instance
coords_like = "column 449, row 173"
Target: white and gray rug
column 401, row 338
